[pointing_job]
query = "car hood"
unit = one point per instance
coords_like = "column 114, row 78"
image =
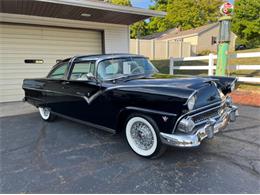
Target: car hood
column 193, row 83
column 179, row 89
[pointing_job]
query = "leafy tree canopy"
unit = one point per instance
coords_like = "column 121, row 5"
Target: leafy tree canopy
column 246, row 22
column 185, row 14
column 120, row 2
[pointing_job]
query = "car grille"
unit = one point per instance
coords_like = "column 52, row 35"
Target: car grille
column 206, row 115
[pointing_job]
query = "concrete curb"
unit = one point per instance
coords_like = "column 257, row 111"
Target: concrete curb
column 16, row 108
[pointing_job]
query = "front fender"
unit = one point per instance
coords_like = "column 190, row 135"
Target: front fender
column 164, row 120
column 225, row 84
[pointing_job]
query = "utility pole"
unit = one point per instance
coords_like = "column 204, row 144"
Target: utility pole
column 226, row 10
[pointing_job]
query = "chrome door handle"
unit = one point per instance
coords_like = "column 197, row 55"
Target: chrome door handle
column 80, row 93
column 65, row 82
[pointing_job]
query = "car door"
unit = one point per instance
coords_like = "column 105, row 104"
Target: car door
column 55, row 96
column 81, row 91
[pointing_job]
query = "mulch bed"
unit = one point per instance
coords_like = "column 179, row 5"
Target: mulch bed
column 249, row 98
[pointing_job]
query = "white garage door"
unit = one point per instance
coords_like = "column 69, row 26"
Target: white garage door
column 44, row 44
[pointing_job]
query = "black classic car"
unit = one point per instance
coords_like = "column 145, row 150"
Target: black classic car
column 122, row 93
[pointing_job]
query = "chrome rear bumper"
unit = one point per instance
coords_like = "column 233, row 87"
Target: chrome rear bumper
column 207, row 131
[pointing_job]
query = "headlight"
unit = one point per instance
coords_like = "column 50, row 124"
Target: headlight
column 186, row 125
column 191, row 102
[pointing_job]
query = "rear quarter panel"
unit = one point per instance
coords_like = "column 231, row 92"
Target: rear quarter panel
column 33, row 91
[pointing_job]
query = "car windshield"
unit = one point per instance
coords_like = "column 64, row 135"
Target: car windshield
column 124, row 67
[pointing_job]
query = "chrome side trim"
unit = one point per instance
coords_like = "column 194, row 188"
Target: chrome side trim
column 88, row 100
column 93, row 97
column 150, row 111
column 207, row 110
column 113, row 131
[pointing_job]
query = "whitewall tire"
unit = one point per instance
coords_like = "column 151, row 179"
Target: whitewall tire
column 142, row 136
column 46, row 114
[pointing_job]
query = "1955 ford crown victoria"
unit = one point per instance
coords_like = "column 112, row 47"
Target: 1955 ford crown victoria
column 119, row 93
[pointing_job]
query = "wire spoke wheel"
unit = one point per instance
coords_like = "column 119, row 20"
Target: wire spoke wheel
column 141, row 136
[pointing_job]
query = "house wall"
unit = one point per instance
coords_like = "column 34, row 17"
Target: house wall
column 116, row 37
column 204, row 40
column 232, row 44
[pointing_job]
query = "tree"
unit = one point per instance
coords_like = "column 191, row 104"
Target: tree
column 159, row 24
column 120, row 2
column 185, row 14
column 138, row 29
column 246, row 22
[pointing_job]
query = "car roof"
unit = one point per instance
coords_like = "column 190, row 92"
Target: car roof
column 104, row 56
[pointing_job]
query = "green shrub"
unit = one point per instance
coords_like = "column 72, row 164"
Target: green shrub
column 205, row 52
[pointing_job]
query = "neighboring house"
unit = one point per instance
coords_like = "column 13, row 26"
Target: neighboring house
column 201, row 38
column 35, row 34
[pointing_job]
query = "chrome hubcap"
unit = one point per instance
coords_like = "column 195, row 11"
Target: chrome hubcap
column 142, row 135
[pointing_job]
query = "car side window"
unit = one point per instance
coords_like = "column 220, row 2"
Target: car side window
column 58, row 72
column 81, row 70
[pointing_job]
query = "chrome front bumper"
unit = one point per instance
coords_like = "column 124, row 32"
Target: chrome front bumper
column 206, row 131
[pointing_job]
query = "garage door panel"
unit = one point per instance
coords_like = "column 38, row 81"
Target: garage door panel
column 58, row 52
column 11, row 81
column 18, row 71
column 57, row 38
column 50, row 43
column 12, row 67
column 20, row 42
column 8, row 59
column 13, row 87
column 24, row 75
column 46, row 31
column 45, row 49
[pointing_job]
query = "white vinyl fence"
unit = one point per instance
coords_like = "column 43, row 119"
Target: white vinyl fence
column 211, row 67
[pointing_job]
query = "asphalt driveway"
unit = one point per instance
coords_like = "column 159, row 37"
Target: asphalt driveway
column 67, row 157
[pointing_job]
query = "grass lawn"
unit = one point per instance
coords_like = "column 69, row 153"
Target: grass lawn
column 163, row 67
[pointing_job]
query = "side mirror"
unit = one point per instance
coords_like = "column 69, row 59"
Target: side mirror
column 90, row 76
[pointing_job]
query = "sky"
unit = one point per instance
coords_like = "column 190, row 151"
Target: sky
column 147, row 3
column 141, row 3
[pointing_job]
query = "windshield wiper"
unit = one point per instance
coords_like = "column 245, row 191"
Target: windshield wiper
column 131, row 76
column 123, row 76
